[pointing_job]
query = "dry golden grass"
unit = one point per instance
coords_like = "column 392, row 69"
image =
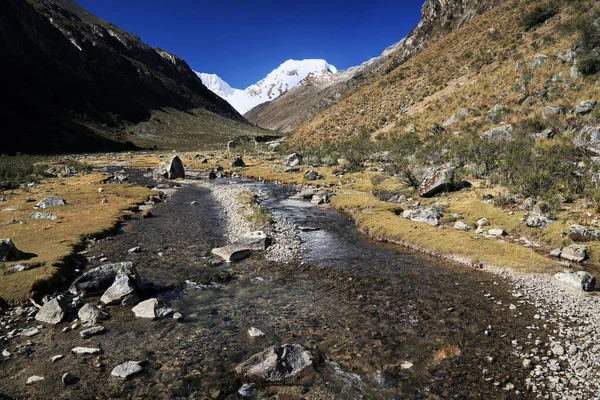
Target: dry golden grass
column 53, row 241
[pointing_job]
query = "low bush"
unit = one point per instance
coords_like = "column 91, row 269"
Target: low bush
column 538, row 15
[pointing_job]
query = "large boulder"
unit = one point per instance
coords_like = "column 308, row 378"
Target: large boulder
column 311, row 175
column 8, row 251
column 537, row 221
column 257, row 240
column 502, row 133
column 437, row 180
column 101, row 278
column 231, row 253
column 575, row 282
column 51, row 201
column 122, row 291
column 574, row 252
column 171, row 169
column 588, row 138
column 52, row 312
column 293, row 160
column 277, row 364
column 429, row 215
column 581, row 233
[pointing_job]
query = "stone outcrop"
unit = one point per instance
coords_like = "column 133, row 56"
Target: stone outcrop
column 8, row 251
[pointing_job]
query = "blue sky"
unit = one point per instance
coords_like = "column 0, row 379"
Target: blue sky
column 242, row 41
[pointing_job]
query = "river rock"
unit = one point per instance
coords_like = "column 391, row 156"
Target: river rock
column 178, row 317
column 321, row 197
column 581, row 233
column 34, row 378
column 52, row 312
column 537, row 221
column 51, row 201
column 575, row 282
column 101, row 278
column 293, row 160
column 89, row 314
column 585, row 106
column 237, row 162
column 171, row 169
column 123, row 287
column 437, row 180
column 29, row 332
column 8, row 251
column 255, row 332
column 574, row 252
column 151, row 308
column 67, row 378
column 305, row 194
column 502, row 133
column 91, row 331
column 257, row 240
column 127, row 369
column 231, row 253
column 85, row 350
column 42, row 215
column 276, row 364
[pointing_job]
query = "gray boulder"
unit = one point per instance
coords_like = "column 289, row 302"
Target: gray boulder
column 42, row 215
column 502, row 133
column 585, row 106
column 575, row 282
column 171, row 169
column 51, row 201
column 126, row 369
column 8, row 251
column 151, row 308
column 122, row 290
column 552, row 110
column 311, row 175
column 429, row 215
column 588, row 138
column 574, row 252
column 277, row 364
column 101, row 278
column 321, row 197
column 231, row 253
column 52, row 312
column 581, row 233
column 305, row 194
column 230, row 145
column 293, row 160
column 461, row 226
column 86, row 333
column 257, row 240
column 237, row 162
column 537, row 221
column 450, row 121
column 539, row 60
column 89, row 314
column 437, row 180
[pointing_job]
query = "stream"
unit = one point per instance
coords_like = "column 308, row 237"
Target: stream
column 381, row 321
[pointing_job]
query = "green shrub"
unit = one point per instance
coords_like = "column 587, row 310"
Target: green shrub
column 538, row 16
column 15, row 170
column 589, row 64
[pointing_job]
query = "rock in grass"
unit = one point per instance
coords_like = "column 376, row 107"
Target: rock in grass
column 575, row 282
column 51, row 201
column 237, row 162
column 127, row 369
column 8, row 251
column 231, row 253
column 581, row 233
column 437, row 180
column 574, row 252
column 101, row 278
column 52, row 312
column 86, row 333
column 85, row 350
column 585, row 106
column 461, row 226
column 42, row 215
column 311, row 175
column 502, row 133
column 537, row 221
column 292, row 160
column 276, row 364
column 498, row 232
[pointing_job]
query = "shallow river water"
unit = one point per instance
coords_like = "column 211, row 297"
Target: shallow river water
column 381, row 321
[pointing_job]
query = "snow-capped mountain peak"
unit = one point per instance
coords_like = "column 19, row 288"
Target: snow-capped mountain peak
column 288, row 75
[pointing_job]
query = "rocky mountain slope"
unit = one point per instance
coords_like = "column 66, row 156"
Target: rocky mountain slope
column 73, row 82
column 290, row 74
column 437, row 18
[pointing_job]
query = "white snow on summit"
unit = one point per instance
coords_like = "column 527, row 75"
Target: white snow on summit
column 288, row 75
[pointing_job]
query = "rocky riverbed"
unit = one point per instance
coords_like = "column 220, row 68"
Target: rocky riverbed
column 372, row 320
